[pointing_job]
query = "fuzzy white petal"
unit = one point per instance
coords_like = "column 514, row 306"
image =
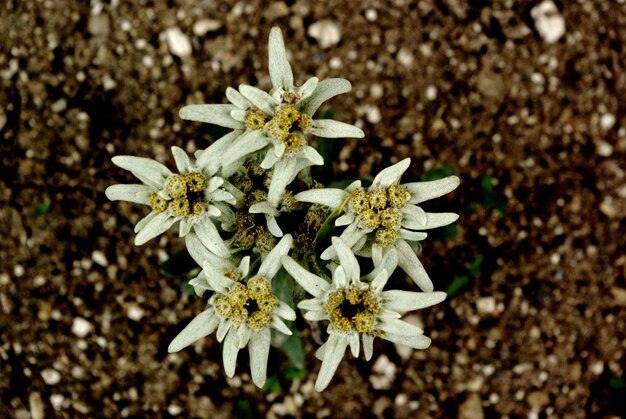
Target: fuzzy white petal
column 201, row 254
column 210, row 238
column 202, row 325
column 259, row 349
column 313, row 284
column 439, row 219
column 263, row 207
column 313, row 304
column 270, row 160
column 222, row 329
column 272, row 262
column 354, row 344
column 308, row 88
column 329, row 128
column 415, row 342
column 148, row 171
column 399, row 327
column 424, row 191
column 237, row 98
column 350, row 236
column 272, row 226
column 183, row 164
column 409, row 263
column 391, row 174
column 145, row 221
column 211, row 158
column 330, row 197
column 211, row 114
column 157, row 225
column 230, row 352
column 332, row 357
column 413, row 217
column 325, row 90
column 283, row 310
column 280, row 70
column 344, row 220
column 347, row 259
column 259, row 98
column 412, row 236
column 398, row 300
column 139, row 194
column 247, row 143
column 285, row 170
column 279, row 325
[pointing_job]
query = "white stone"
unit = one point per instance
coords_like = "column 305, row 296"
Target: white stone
column 178, row 42
column 405, row 57
column 51, row 376
column 604, row 149
column 373, row 114
column 548, row 21
column 597, row 368
column 325, row 32
column 607, row 121
column 174, row 410
column 81, row 327
column 98, row 257
column 384, row 373
column 431, row 92
column 59, row 106
column 205, row 26
column 371, row 15
column 18, row 270
column 56, row 400
column 134, row 312
column 486, row 305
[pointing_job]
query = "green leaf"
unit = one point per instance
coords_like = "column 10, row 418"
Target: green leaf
column 456, row 285
column 180, row 263
column 272, row 385
column 437, row 173
column 491, row 198
column 294, row 373
column 327, row 228
column 43, row 208
column 474, row 267
column 243, row 410
column 214, row 131
column 294, row 349
column 617, row 384
column 283, row 286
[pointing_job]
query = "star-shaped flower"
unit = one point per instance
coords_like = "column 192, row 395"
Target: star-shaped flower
column 385, row 215
column 358, row 309
column 242, row 310
column 194, row 196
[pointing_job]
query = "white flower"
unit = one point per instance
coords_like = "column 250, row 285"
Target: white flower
column 194, row 196
column 242, row 312
column 281, row 118
column 358, row 308
column 385, row 215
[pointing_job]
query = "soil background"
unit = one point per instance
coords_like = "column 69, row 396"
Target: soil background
column 535, row 129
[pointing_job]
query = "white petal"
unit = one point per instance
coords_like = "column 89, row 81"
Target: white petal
column 244, row 266
column 347, row 259
column 243, row 334
column 350, row 236
column 279, row 325
column 313, row 284
column 328, row 196
column 238, row 114
column 312, row 156
column 183, row 164
column 377, row 254
column 210, row 238
column 272, row 262
column 368, row 346
column 325, row 90
column 157, row 225
column 285, row 170
column 439, row 219
column 247, row 143
column 412, row 236
column 409, row 263
column 415, row 342
column 263, row 207
column 201, row 282
column 329, row 128
column 424, row 191
column 139, row 194
column 354, row 344
column 211, row 114
column 259, row 98
column 202, row 255
column 259, row 349
column 332, row 357
column 230, row 352
column 308, row 88
column 398, row 300
column 270, row 160
column 413, row 217
column 399, row 327
column 148, row 171
column 145, row 221
column 272, row 226
column 211, row 159
column 339, row 278
column 314, row 316
column 280, row 70
column 391, row 174
column 237, row 98
column 216, row 279
column 344, row 220
column 184, row 227
column 222, row 329
column 283, row 310
column 202, row 325
column 312, row 304
column 384, row 269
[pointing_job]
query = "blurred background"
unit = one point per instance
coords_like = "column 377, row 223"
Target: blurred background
column 524, row 100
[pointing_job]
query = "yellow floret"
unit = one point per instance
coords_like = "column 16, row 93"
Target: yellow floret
column 377, row 198
column 390, row 217
column 157, row 203
column 397, row 195
column 180, row 207
column 255, row 119
column 386, row 237
column 196, row 182
column 176, row 186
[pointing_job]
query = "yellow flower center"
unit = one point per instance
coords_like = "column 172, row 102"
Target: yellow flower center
column 353, row 309
column 252, row 304
column 186, row 195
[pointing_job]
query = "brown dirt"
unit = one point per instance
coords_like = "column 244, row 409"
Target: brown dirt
column 540, row 331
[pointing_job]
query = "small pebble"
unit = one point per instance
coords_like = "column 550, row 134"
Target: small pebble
column 98, row 257
column 486, row 305
column 405, row 57
column 81, row 327
column 37, row 409
column 431, row 92
column 371, row 15
column 607, row 121
column 548, row 21
column 537, row 399
column 51, row 376
column 178, row 42
column 325, row 32
column 59, row 106
column 56, row 400
column 204, row 26
column 134, row 312
column 604, row 149
column 384, row 372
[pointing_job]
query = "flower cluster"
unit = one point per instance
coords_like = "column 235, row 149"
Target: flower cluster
column 248, row 203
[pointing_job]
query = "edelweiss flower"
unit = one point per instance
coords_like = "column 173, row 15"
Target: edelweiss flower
column 358, row 308
column 281, row 118
column 383, row 216
column 242, row 311
column 192, row 197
